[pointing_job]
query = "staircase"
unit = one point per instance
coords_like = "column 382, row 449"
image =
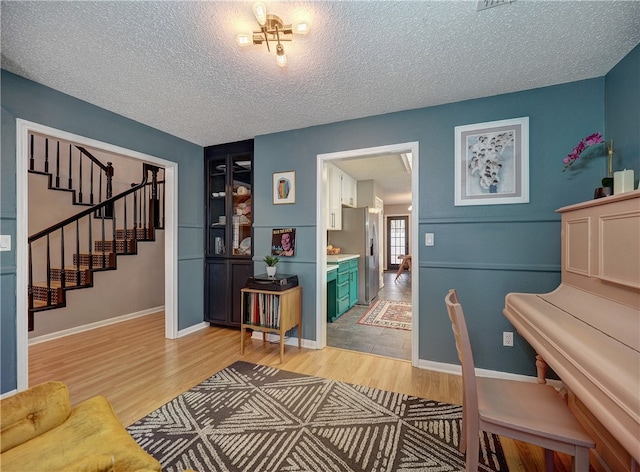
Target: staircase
column 75, row 170
column 66, row 255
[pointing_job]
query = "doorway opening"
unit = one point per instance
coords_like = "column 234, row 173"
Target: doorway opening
column 407, row 286
column 23, row 129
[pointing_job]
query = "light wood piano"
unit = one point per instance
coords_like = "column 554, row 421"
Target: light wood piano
column 588, row 329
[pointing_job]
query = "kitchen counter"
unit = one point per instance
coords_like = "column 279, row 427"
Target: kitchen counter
column 341, row 258
column 331, row 267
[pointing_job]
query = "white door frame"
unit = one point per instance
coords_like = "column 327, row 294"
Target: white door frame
column 23, row 128
column 321, row 235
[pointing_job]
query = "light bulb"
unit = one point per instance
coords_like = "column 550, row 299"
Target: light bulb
column 260, row 11
column 301, row 28
column 281, row 59
column 243, row 39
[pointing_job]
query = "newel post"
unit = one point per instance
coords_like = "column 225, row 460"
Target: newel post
column 108, row 209
column 154, row 202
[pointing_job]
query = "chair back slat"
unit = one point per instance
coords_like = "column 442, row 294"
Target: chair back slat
column 463, row 345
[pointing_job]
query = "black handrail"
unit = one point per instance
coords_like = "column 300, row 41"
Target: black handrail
column 89, row 211
column 91, row 157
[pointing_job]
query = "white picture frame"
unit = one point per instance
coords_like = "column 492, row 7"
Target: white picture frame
column 492, row 163
column 284, row 187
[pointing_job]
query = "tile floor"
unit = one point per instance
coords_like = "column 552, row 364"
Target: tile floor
column 346, row 333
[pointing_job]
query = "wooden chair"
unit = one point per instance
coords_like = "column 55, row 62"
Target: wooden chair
column 405, row 261
column 529, row 412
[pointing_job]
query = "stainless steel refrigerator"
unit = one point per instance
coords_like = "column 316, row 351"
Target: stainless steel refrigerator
column 360, row 235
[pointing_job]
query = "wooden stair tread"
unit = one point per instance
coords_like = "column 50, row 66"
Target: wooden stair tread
column 76, row 269
column 40, row 304
column 54, row 284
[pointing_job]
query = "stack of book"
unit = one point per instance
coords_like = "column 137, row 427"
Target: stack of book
column 262, row 309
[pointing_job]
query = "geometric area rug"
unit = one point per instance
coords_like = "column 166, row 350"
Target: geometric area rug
column 388, row 314
column 249, row 417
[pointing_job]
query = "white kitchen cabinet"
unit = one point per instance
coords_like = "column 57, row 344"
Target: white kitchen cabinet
column 342, row 190
column 334, row 197
column 349, row 188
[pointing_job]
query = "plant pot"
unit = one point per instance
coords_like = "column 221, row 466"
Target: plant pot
column 603, row 192
column 271, row 271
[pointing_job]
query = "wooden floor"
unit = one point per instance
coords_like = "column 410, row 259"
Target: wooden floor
column 138, row 370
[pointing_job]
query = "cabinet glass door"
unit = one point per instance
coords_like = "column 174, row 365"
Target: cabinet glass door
column 217, row 245
column 241, row 218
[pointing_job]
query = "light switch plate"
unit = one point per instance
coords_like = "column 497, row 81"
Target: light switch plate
column 5, row 242
column 429, row 239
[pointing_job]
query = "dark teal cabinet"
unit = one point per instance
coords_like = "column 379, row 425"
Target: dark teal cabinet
column 342, row 288
column 353, row 282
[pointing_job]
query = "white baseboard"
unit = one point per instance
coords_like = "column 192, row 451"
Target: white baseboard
column 90, row 326
column 455, row 369
column 193, row 329
column 8, row 394
column 439, row 367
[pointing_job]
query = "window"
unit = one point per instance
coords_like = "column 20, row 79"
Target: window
column 397, row 239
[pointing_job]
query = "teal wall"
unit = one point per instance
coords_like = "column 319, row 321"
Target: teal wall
column 8, row 374
column 483, row 251
column 622, row 112
column 28, row 100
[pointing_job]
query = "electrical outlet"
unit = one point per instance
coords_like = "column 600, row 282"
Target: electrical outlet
column 507, row 338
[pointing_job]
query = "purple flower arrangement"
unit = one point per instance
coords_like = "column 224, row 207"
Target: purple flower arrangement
column 595, row 138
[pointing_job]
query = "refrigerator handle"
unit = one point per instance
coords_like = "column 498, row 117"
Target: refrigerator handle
column 371, row 247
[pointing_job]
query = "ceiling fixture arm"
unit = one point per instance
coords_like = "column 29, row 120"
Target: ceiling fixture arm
column 266, row 37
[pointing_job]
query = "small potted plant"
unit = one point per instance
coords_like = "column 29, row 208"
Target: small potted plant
column 271, row 262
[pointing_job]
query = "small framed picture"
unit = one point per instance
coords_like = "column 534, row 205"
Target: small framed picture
column 283, row 242
column 492, row 163
column 284, row 187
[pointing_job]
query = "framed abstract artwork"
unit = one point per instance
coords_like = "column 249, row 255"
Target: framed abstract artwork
column 492, row 163
column 284, row 187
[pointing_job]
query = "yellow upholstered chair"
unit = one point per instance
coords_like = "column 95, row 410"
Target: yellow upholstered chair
column 40, row 431
column 529, row 412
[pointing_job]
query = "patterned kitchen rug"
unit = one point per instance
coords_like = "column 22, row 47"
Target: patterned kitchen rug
column 249, row 418
column 388, row 314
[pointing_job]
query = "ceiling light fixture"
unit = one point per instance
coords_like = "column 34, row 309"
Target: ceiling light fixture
column 272, row 29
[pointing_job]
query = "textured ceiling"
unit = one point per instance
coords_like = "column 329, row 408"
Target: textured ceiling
column 175, row 66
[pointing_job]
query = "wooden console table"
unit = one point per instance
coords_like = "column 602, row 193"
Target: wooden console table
column 271, row 312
